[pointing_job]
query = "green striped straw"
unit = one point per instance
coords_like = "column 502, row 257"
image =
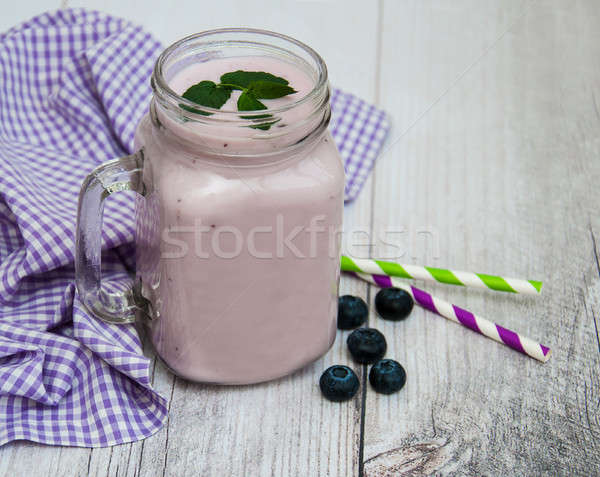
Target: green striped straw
column 441, row 275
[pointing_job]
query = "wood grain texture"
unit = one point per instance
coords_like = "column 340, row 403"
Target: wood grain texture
column 492, row 166
column 499, row 160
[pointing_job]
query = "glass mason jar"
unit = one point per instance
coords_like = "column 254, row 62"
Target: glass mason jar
column 237, row 221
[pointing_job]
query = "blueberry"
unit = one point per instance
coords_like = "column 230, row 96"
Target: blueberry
column 352, row 312
column 393, row 303
column 338, row 383
column 387, row 376
column 366, row 345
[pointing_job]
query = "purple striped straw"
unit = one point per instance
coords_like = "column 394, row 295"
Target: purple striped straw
column 463, row 317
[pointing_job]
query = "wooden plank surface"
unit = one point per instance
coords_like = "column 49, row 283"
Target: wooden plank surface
column 501, row 167
column 492, row 165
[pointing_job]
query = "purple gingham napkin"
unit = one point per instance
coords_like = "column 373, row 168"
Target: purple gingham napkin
column 73, row 85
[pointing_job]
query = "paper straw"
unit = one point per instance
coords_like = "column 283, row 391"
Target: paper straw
column 441, row 275
column 464, row 317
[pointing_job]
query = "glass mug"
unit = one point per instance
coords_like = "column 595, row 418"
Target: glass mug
column 237, row 220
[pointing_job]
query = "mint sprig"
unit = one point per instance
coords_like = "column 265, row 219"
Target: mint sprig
column 248, row 102
column 269, row 89
column 244, row 78
column 207, row 93
column 254, row 85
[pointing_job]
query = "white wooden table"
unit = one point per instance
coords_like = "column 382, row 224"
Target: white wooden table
column 493, row 165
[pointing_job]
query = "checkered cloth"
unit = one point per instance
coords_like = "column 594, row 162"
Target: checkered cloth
column 73, row 86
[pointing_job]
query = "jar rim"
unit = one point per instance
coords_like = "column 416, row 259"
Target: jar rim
column 193, row 110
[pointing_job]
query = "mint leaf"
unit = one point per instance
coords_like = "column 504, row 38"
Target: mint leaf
column 248, row 102
column 269, row 89
column 244, row 78
column 263, row 127
column 254, row 85
column 207, row 93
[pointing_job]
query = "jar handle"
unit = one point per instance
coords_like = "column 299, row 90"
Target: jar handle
column 111, row 177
